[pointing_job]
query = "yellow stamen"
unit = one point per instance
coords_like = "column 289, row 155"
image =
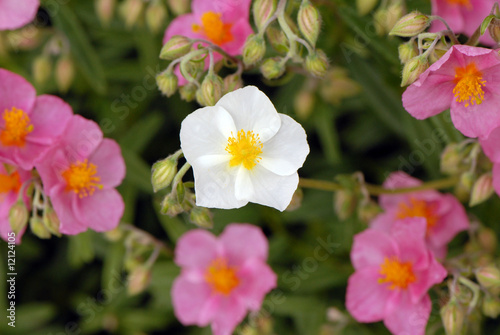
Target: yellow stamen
column 214, row 28
column 245, row 149
column 468, row 85
column 81, row 178
column 10, row 182
column 464, row 3
column 398, row 274
column 17, row 126
column 418, row 208
column 221, row 277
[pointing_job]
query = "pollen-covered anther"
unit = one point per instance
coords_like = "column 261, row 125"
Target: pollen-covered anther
column 214, row 28
column 221, row 277
column 469, row 85
column 17, row 125
column 396, row 273
column 81, row 178
column 463, row 3
column 245, row 149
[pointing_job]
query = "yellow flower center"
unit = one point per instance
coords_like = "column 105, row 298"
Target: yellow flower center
column 398, row 274
column 10, row 182
column 464, row 3
column 212, row 26
column 17, row 127
column 468, row 85
column 81, row 178
column 418, row 208
column 244, row 149
column 221, row 277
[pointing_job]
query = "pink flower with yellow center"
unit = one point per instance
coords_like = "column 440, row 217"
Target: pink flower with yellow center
column 80, row 174
column 394, row 271
column 221, row 278
column 29, row 125
column 223, row 22
column 463, row 16
column 15, row 14
column 444, row 215
column 11, row 182
column 465, row 80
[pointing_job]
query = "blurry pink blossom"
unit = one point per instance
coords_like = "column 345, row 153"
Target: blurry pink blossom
column 17, row 13
column 394, row 271
column 491, row 148
column 222, row 278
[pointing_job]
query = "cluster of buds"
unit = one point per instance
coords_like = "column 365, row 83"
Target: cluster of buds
column 179, row 199
column 386, row 16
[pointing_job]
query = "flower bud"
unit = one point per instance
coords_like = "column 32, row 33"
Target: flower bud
column 211, row 90
column 188, row 92
column 163, row 172
column 51, row 221
column 411, row 25
column 487, row 239
column 130, row 10
column 273, row 68
column 42, row 69
column 167, row 83
column 18, row 216
column 156, row 14
column 65, row 73
column 482, row 189
column 278, row 40
column 176, row 47
column 179, row 7
column 232, row 82
column 104, row 10
column 413, row 69
column 467, row 179
column 138, row 280
column 345, row 202
column 451, row 159
column 489, row 277
column 368, row 210
column 38, row 228
column 170, row 206
column 309, row 21
column 262, row 11
column 453, row 316
column 407, row 51
column 491, row 306
column 296, row 201
column 494, row 29
column 386, row 18
column 254, row 49
column 202, row 217
column 317, row 63
column 365, row 6
column 304, row 103
column 114, row 235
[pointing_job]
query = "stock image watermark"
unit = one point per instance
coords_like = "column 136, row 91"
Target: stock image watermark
column 11, row 279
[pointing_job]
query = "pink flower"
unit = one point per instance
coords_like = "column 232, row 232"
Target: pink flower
column 394, row 271
column 79, row 175
column 492, row 150
column 15, row 14
column 465, row 80
column 463, row 16
column 221, row 277
column 29, row 125
column 222, row 22
column 444, row 214
column 11, row 182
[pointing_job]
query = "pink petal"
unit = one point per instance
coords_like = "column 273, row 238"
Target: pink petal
column 50, row 117
column 110, row 164
column 451, row 13
column 192, row 302
column 427, row 278
column 231, row 10
column 409, row 318
column 242, row 242
column 102, row 210
column 409, row 235
column 490, row 145
column 64, row 206
column 240, row 31
column 366, row 299
column 50, row 170
column 496, row 177
column 15, row 91
column 230, row 313
column 402, row 180
column 81, row 138
column 453, row 221
column 256, row 280
column 197, row 249
column 15, row 14
column 182, row 25
column 383, row 222
column 370, row 248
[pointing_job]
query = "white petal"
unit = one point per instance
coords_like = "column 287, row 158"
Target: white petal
column 205, row 132
column 286, row 151
column 214, row 187
column 271, row 189
column 208, row 161
column 252, row 110
column 243, row 187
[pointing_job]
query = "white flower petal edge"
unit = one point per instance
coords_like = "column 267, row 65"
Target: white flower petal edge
column 252, row 110
column 286, row 151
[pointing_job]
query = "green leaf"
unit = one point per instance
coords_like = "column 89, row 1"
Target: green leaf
column 486, row 23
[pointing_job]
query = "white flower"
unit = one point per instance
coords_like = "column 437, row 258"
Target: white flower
column 242, row 150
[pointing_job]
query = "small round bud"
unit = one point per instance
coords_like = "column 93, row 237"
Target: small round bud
column 386, row 18
column 42, row 69
column 273, row 68
column 253, row 50
column 179, row 7
column 163, row 172
column 411, row 25
column 467, row 179
column 130, row 10
column 104, row 10
column 413, row 69
column 65, row 73
column 365, row 6
column 38, row 228
column 188, row 92
column 18, row 216
column 453, row 316
column 202, row 217
column 489, row 277
column 167, row 83
column 156, row 13
column 232, row 82
column 451, row 159
column 138, row 280
column 176, row 47
column 170, row 206
column 317, row 63
column 51, row 221
column 482, row 189
column 407, row 51
column 211, row 90
column 491, row 306
column 345, row 202
column 262, row 11
column 309, row 21
column 278, row 40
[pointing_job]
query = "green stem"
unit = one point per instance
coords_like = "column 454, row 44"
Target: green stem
column 475, row 291
column 182, row 171
column 378, row 190
column 280, row 11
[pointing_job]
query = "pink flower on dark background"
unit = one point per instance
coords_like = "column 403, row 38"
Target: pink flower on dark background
column 17, row 13
column 222, row 278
